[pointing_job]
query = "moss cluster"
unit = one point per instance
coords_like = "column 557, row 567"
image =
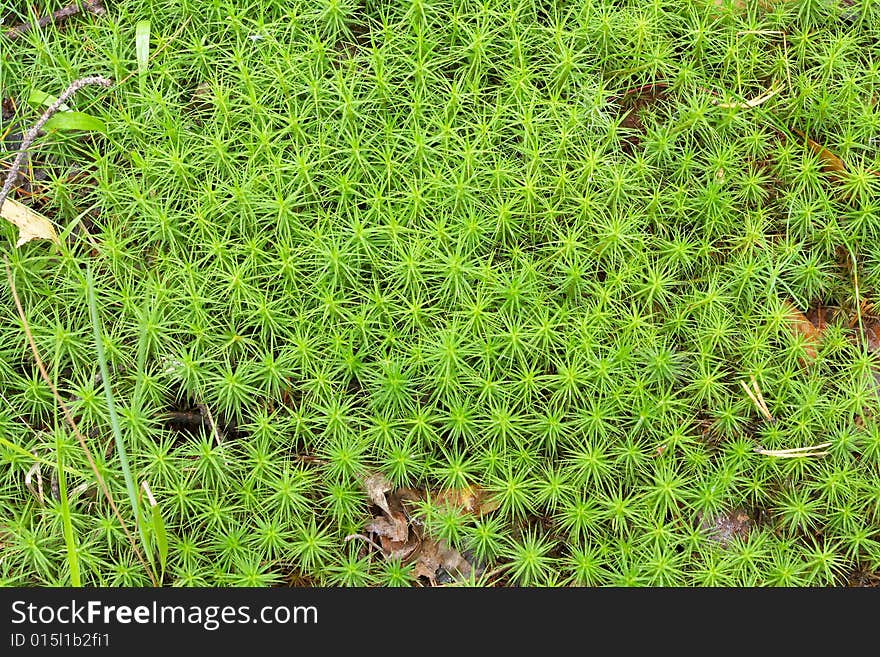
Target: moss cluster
column 533, row 247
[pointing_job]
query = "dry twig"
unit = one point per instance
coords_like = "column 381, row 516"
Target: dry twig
column 31, row 134
column 89, row 6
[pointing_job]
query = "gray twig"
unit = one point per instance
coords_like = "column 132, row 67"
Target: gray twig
column 91, row 6
column 31, row 134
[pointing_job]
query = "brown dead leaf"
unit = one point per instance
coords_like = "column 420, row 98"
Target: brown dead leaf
column 376, row 486
column 831, row 164
column 800, row 325
column 394, row 527
column 633, row 102
column 471, row 499
column 409, row 496
column 31, row 224
column 200, row 103
column 864, row 578
column 436, row 557
column 872, row 333
column 394, row 535
column 402, row 550
column 818, row 316
column 7, row 108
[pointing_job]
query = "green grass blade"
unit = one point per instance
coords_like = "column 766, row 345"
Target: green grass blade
column 70, row 121
column 157, row 530
column 69, row 538
column 142, row 45
column 111, row 407
column 161, row 540
column 18, row 449
column 38, row 97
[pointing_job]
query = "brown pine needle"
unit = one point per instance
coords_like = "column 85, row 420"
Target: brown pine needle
column 754, row 102
column 760, row 397
column 757, row 399
column 70, row 421
column 795, row 452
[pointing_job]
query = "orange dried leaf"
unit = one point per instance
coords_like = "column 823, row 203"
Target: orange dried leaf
column 830, row 162
column 800, row 325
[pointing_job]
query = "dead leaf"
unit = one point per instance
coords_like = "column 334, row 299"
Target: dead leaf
column 818, row 316
column 399, row 539
column 471, row 499
column 377, row 485
column 401, row 550
column 872, row 333
column 409, row 496
column 35, row 472
column 394, row 527
column 7, row 108
column 863, row 578
column 436, row 558
column 31, row 224
column 632, row 103
column 831, row 164
column 803, row 326
column 200, row 102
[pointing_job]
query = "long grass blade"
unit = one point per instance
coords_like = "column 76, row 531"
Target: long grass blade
column 68, row 417
column 69, row 537
column 158, row 530
column 111, row 408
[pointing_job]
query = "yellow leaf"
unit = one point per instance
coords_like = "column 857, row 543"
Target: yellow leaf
column 31, row 225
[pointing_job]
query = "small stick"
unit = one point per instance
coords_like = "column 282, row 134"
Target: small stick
column 91, row 6
column 31, row 134
column 205, row 411
column 366, row 540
